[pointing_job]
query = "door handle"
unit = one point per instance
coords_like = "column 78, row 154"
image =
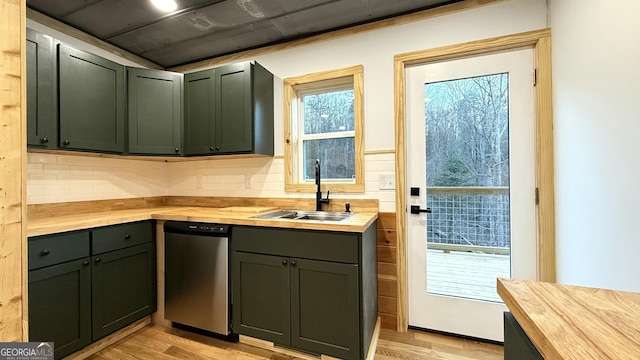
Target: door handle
column 415, row 209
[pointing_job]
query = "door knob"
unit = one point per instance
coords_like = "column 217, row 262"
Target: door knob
column 415, row 209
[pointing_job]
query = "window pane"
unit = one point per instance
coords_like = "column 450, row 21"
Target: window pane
column 337, row 158
column 467, row 123
column 328, row 112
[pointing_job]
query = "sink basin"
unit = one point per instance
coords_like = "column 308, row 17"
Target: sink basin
column 335, row 216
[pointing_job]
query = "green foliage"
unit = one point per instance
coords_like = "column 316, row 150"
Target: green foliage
column 454, row 173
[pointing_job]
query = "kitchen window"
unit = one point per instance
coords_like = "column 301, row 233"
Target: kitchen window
column 324, row 121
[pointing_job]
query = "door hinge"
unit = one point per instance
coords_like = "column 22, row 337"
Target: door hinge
column 537, row 196
column 535, row 77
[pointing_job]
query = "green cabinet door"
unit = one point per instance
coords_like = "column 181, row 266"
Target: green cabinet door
column 91, row 102
column 42, row 127
column 234, row 130
column 60, row 306
column 199, row 113
column 155, row 111
column 123, row 288
column 229, row 110
column 260, row 300
column 325, row 311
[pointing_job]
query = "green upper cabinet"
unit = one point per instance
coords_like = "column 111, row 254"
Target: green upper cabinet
column 42, row 127
column 199, row 112
column 155, row 111
column 229, row 110
column 91, row 101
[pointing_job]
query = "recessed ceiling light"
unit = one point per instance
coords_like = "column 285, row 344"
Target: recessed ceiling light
column 165, row 5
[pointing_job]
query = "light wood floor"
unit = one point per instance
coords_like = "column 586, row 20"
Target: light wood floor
column 155, row 342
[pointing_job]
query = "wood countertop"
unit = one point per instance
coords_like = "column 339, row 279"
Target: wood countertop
column 230, row 215
column 572, row 322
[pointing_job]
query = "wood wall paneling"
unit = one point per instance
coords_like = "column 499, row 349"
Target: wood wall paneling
column 12, row 167
column 387, row 279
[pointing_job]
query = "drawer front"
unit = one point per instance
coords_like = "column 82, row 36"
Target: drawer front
column 121, row 236
column 54, row 249
column 309, row 244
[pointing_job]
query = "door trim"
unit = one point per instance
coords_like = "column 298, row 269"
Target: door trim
column 540, row 41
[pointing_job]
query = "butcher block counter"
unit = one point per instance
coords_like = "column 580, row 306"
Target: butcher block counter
column 235, row 215
column 571, row 322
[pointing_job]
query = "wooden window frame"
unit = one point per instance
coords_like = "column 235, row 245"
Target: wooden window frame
column 292, row 87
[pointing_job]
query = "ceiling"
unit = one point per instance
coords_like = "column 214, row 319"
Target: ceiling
column 200, row 29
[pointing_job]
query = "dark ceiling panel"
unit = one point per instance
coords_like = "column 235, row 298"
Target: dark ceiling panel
column 107, row 18
column 58, row 9
column 202, row 29
column 199, row 49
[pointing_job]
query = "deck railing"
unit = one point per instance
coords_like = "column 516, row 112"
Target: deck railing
column 471, row 217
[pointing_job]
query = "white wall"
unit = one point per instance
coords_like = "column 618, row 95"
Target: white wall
column 596, row 84
column 375, row 51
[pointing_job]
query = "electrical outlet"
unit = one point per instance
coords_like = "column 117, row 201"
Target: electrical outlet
column 198, row 182
column 247, row 182
column 386, row 181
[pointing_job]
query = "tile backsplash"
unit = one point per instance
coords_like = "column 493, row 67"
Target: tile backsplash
column 61, row 178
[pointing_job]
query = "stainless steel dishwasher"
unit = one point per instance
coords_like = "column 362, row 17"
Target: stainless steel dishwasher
column 197, row 275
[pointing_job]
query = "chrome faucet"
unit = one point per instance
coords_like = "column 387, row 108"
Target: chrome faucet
column 319, row 199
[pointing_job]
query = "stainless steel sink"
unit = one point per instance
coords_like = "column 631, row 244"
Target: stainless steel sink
column 334, row 216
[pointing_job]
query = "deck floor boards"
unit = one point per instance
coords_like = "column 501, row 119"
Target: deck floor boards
column 466, row 274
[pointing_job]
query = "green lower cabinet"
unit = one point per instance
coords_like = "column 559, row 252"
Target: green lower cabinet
column 313, row 291
column 517, row 345
column 261, row 296
column 76, row 298
column 324, row 308
column 123, row 288
column 60, row 306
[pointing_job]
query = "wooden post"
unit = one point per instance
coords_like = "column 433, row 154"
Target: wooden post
column 13, row 285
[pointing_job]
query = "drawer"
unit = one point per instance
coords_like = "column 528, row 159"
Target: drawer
column 54, row 249
column 309, row 244
column 121, row 236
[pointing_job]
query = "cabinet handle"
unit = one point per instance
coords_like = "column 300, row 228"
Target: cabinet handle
column 44, row 140
column 86, row 263
column 44, row 252
column 127, row 237
column 97, row 260
column 66, row 142
column 293, row 263
column 211, row 148
column 284, row 262
column 177, row 149
column 217, row 147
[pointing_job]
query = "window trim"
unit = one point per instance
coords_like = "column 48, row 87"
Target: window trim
column 292, row 87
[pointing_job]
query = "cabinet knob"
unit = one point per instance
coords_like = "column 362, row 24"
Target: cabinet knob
column 66, row 142
column 293, row 263
column 177, row 149
column 127, row 237
column 284, row 262
column 44, row 140
column 97, row 260
column 86, row 263
column 217, row 147
column 211, row 148
column 44, row 252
